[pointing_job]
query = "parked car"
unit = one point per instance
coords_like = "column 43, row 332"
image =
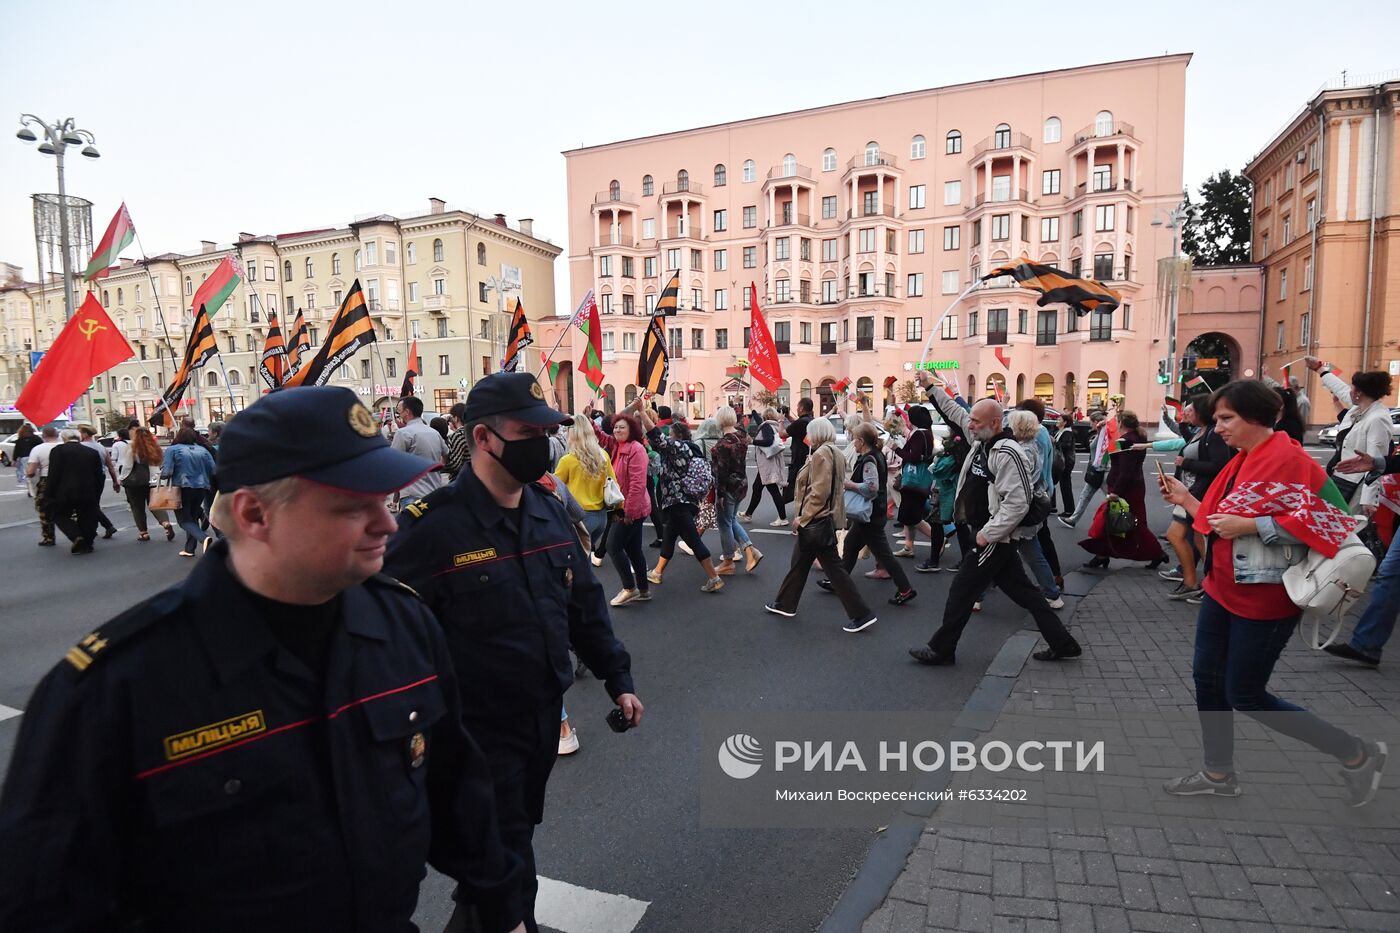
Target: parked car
column 1327, row 437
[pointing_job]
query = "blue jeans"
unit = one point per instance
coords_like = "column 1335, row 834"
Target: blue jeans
column 187, row 516
column 595, row 523
column 732, row 535
column 1039, row 565
column 1378, row 621
column 1234, row 659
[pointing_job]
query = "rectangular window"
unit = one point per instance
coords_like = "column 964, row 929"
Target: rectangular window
column 1022, row 316
column 1278, row 336
column 889, row 328
column 608, row 341
column 673, row 259
column 1103, row 267
column 721, row 299
column 1307, row 273
column 1045, row 327
column 867, row 240
column 913, row 328
column 1077, row 223
column 916, row 242
column 439, row 286
column 977, row 232
column 604, row 306
column 1001, row 187
column 629, row 342
column 1287, row 230
column 781, row 248
column 1100, row 325
column 952, row 192
column 996, row 325
column 804, row 332
column 697, row 260
column 1103, row 178
column 750, row 257
column 252, row 272
column 364, row 369
column 748, row 296
column 948, row 330
column 870, row 203
column 829, row 207
column 372, row 253
column 972, row 323
column 442, row 327
column 916, row 197
column 721, row 222
column 1304, row 330
column 391, row 250
column 1001, row 227
column 722, row 338
column 828, row 291
column 950, row 282
column 697, row 339
column 750, row 217
column 829, row 253
column 747, row 332
column 391, row 366
column 291, row 305
column 651, row 305
column 649, row 228
column 1049, row 229
column 865, row 284
column 805, row 253
column 915, row 285
column 697, row 299
column 783, row 291
column 1282, row 284
column 952, row 237
column 1312, row 216
column 605, row 266
column 413, row 292
column 629, row 267
column 415, row 329
column 628, row 304
column 1050, row 181
column 721, row 260
column 1103, row 218
column 649, row 267
column 444, row 368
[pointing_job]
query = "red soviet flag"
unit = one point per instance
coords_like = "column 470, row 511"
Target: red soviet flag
column 89, row 344
column 763, row 353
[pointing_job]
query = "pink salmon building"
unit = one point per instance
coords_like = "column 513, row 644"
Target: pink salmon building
column 860, row 222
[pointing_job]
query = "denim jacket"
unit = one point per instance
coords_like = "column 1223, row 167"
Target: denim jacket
column 188, row 465
column 1263, row 558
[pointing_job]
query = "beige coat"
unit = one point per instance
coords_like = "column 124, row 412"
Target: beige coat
column 814, row 487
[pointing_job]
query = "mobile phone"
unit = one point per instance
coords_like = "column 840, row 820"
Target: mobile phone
column 1161, row 477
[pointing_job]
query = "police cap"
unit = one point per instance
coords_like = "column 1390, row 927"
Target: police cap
column 324, row 434
column 515, row 395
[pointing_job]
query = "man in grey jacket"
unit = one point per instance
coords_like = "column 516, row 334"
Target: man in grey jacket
column 993, row 496
column 419, row 439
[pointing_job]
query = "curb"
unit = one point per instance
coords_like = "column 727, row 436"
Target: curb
column 883, row 864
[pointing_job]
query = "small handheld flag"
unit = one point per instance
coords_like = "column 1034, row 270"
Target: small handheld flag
column 592, row 328
column 299, row 344
column 670, row 295
column 654, row 364
column 272, row 365
column 201, row 348
column 411, row 371
column 349, row 331
column 519, row 338
column 120, row 233
column 1196, row 382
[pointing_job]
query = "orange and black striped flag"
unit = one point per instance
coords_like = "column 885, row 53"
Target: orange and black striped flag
column 272, row 366
column 351, row 330
column 1083, row 295
column 654, row 365
column 519, row 338
column 298, row 343
column 201, row 347
column 670, row 295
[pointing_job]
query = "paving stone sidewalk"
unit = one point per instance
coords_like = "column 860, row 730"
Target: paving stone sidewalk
column 1110, row 851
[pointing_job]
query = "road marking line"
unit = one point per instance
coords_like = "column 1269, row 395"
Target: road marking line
column 573, row 909
column 9, row 712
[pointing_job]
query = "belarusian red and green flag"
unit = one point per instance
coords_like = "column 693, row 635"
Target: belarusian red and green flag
column 586, row 320
column 214, row 291
column 118, row 237
column 1196, row 382
column 549, row 367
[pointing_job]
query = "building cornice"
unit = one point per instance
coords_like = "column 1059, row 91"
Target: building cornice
column 1183, row 57
column 1328, row 103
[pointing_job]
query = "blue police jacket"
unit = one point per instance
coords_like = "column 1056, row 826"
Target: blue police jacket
column 511, row 606
column 182, row 770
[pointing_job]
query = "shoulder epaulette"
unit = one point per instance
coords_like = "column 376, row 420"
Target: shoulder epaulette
column 115, row 632
column 419, row 509
column 393, row 583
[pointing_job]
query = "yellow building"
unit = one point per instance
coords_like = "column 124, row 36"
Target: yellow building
column 444, row 277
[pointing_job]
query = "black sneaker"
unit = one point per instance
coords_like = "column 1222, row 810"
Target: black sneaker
column 1195, row 785
column 858, row 625
column 825, row 584
column 1342, row 650
column 111, row 530
column 926, row 655
column 1181, row 591
column 1052, row 654
column 899, row 599
column 1063, row 520
column 1365, row 779
column 773, row 608
column 656, row 543
column 48, row 543
column 928, row 566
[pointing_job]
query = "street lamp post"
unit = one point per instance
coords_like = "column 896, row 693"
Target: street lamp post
column 1175, row 218
column 57, row 138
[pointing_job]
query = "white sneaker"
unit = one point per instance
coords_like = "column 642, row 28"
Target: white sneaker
column 746, row 518
column 778, row 523
column 685, row 547
column 568, row 739
column 1056, row 603
column 597, row 561
column 623, row 597
column 905, row 551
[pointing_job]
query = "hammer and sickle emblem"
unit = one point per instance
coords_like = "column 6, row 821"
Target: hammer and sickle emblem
column 89, row 326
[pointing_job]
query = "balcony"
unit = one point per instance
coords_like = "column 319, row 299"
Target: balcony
column 1105, row 130
column 866, row 210
column 871, row 160
column 682, row 232
column 614, row 197
column 798, row 171
column 616, row 239
column 783, row 346
column 682, row 187
column 828, row 348
column 790, row 219
column 437, row 304
column 1021, row 197
column 609, row 356
column 865, row 341
column 1083, row 188
column 1002, row 142
column 677, row 351
column 996, row 338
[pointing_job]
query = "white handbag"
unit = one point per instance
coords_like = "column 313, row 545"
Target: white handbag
column 1324, row 586
column 612, row 494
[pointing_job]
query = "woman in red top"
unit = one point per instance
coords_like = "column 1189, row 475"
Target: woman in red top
column 1246, row 617
column 621, row 436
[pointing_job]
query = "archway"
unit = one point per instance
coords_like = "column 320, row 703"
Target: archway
column 1097, row 389
column 866, row 387
column 1213, row 356
column 629, row 395
column 1020, row 388
column 609, row 400
column 996, row 386
column 1045, row 389
column 826, row 400
column 697, row 402
column 784, row 394
column 1071, row 392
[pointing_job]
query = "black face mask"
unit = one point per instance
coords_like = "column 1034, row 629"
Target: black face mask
column 526, row 459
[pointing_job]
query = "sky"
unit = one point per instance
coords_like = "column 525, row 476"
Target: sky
column 274, row 117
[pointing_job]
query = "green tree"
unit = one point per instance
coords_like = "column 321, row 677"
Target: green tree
column 1218, row 231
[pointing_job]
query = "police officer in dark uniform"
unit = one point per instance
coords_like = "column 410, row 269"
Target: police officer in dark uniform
column 499, row 563
column 275, row 743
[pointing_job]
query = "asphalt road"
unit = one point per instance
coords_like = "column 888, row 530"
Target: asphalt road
column 622, row 815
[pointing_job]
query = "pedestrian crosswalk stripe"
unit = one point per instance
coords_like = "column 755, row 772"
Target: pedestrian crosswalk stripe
column 8, row 712
column 573, row 909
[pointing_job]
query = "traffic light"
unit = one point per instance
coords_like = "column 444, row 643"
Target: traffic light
column 690, row 391
column 1163, row 376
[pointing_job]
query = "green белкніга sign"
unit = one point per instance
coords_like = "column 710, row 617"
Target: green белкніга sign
column 938, row 364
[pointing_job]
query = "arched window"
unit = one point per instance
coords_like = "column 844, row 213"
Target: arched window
column 1052, row 135
column 145, row 383
column 128, row 384
column 234, row 378
column 212, row 379
column 952, row 145
column 648, row 186
column 1103, row 123
column 481, row 254
column 721, row 175
column 1001, row 137
column 107, row 299
column 829, row 160
column 310, row 268
column 918, row 148
column 682, row 180
column 287, row 270
column 335, row 263
column 138, row 294
column 121, row 300
column 189, row 286
column 437, row 250
column 411, row 253
column 806, row 389
column 614, row 191
column 789, row 165
column 357, row 260
column 750, row 170
column 872, row 153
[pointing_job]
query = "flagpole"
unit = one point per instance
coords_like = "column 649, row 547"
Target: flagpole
column 383, row 374
column 155, row 291
column 140, row 364
column 928, row 340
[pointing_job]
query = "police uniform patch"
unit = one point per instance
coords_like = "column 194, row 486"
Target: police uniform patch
column 536, row 391
column 81, row 654
column 214, row 735
column 417, row 750
column 473, row 557
column 362, row 421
